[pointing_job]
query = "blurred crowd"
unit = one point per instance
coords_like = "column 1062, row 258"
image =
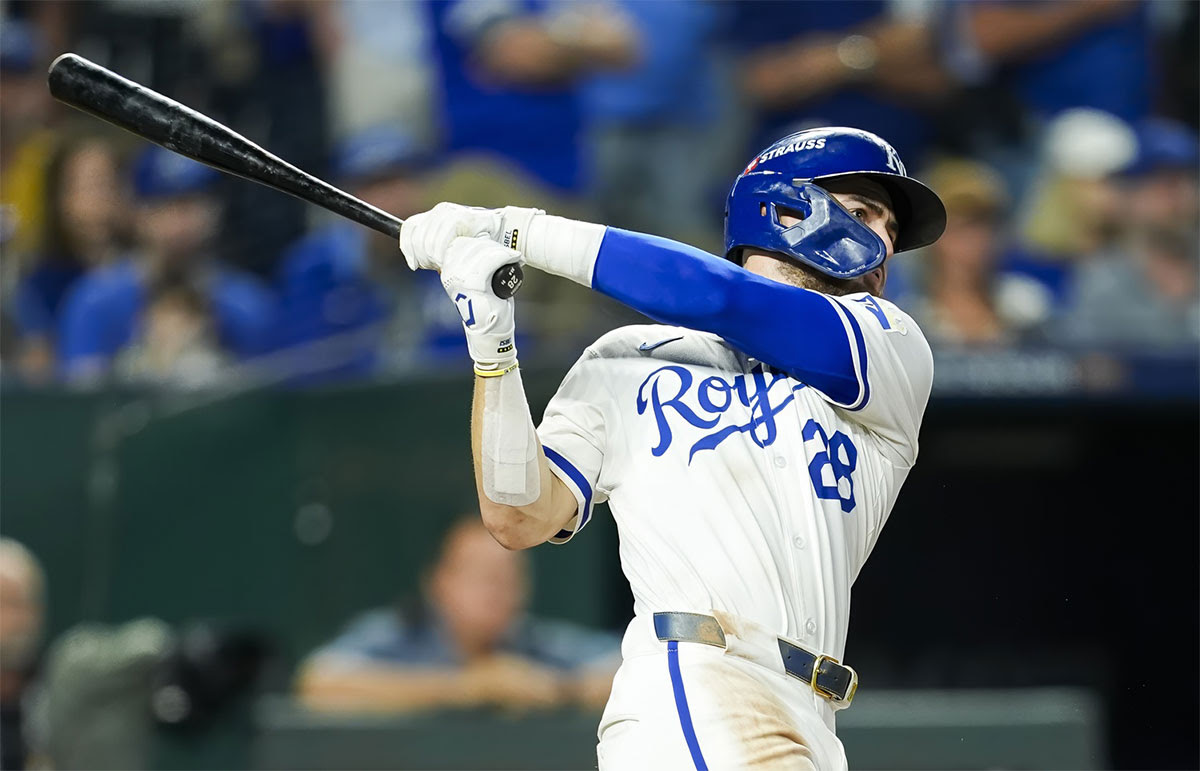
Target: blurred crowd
column 466, row 642
column 96, row 694
column 1061, row 134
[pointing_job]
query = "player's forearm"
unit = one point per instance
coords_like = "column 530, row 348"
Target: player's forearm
column 514, row 526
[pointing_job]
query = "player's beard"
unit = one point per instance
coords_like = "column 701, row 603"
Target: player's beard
column 808, row 278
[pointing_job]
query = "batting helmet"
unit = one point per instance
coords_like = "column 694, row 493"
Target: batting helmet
column 788, row 175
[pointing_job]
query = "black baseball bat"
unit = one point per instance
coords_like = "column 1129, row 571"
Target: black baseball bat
column 101, row 92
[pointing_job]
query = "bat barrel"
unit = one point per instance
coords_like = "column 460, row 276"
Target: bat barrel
column 137, row 109
column 101, row 92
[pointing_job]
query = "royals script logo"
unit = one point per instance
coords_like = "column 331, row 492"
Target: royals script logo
column 672, row 394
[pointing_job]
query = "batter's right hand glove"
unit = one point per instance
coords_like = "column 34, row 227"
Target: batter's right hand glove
column 488, row 320
column 425, row 237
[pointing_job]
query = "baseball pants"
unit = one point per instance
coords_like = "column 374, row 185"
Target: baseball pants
column 692, row 706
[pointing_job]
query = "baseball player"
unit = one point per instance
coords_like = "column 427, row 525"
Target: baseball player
column 750, row 452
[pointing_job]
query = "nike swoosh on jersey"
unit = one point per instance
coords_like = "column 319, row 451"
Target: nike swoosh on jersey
column 647, row 347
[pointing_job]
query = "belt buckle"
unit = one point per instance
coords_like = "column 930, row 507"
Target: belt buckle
column 825, row 692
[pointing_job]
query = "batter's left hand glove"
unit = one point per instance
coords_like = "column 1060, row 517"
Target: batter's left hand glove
column 467, row 268
column 425, row 237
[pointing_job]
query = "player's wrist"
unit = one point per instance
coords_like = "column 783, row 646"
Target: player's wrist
column 498, row 369
column 560, row 246
column 514, row 227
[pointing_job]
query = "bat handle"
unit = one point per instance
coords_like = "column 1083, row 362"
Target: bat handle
column 507, row 280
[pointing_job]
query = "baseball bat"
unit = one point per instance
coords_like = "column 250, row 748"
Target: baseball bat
column 103, row 93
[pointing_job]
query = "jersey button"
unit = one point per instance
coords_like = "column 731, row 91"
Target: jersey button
column 810, row 626
column 799, row 542
column 780, row 461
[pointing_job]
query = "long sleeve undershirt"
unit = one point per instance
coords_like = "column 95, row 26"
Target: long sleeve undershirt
column 796, row 330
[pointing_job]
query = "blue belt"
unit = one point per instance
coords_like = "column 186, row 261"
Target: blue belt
column 825, row 674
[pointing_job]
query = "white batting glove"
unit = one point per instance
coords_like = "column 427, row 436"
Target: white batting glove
column 467, row 268
column 425, row 237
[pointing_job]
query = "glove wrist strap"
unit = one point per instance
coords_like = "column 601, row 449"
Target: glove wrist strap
column 498, row 370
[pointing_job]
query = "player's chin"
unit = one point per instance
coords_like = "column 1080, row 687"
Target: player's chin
column 871, row 282
column 874, row 281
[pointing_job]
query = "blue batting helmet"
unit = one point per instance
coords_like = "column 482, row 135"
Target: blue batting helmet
column 787, row 175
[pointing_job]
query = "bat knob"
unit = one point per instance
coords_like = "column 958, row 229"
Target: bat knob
column 507, row 280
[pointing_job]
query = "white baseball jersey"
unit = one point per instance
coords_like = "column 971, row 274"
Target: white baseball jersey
column 735, row 487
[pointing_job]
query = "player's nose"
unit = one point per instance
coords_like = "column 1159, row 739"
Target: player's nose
column 888, row 242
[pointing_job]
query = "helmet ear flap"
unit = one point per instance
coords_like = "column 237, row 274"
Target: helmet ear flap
column 774, row 212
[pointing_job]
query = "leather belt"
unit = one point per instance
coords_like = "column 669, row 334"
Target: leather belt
column 826, row 675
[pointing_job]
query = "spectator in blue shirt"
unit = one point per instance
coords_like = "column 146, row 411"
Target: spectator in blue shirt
column 336, row 285
column 508, row 74
column 1161, row 182
column 1060, row 54
column 835, row 63
column 175, row 220
column 176, row 343
column 471, row 643
column 85, row 224
column 1143, row 292
column 652, row 127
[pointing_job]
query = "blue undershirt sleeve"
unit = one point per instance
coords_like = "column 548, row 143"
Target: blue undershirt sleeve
column 801, row 332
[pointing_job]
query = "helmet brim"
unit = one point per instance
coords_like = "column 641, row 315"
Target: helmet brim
column 919, row 210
